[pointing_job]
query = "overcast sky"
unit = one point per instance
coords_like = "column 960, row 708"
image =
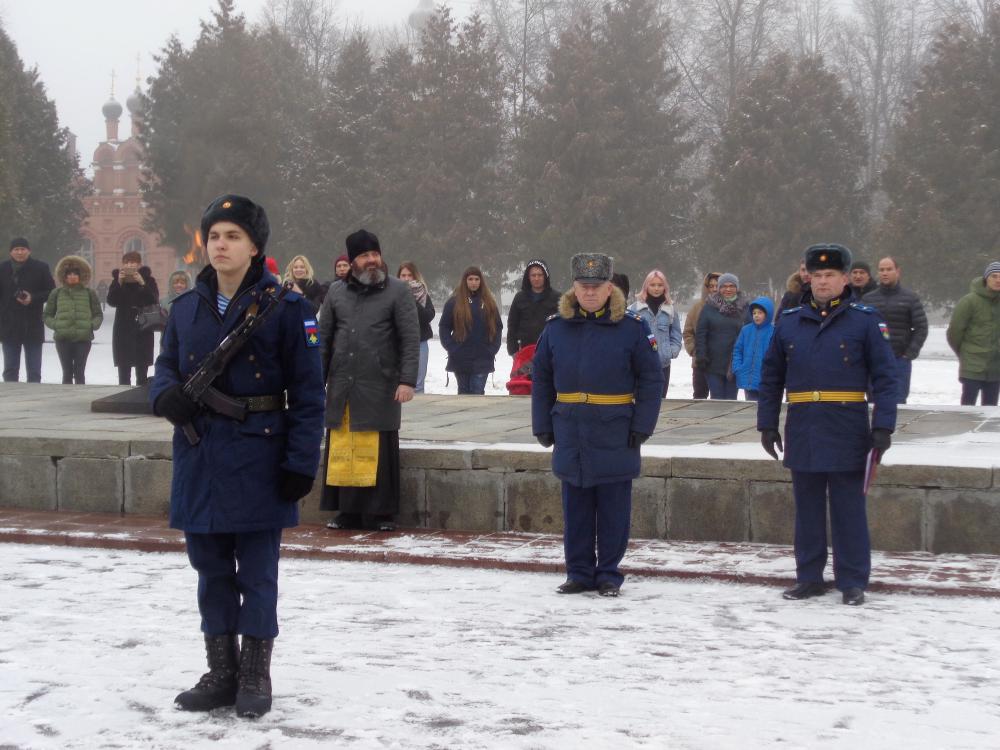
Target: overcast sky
column 76, row 44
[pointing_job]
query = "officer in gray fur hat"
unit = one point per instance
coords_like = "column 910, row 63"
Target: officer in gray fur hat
column 595, row 396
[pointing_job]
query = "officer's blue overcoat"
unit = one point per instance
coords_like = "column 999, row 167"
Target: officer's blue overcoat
column 229, row 482
column 610, row 354
column 843, row 351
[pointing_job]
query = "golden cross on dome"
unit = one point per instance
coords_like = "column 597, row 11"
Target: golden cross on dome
column 112, row 83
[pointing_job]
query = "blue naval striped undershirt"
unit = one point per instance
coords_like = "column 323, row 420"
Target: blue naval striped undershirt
column 222, row 302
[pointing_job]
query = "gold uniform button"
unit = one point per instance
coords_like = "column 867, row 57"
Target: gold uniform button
column 815, row 395
column 257, row 376
column 267, row 430
column 191, row 357
column 251, row 358
column 823, row 313
column 847, row 359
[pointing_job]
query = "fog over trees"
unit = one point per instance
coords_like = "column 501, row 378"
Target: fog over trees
column 689, row 135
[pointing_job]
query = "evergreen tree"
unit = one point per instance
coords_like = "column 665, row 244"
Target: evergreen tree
column 943, row 180
column 41, row 185
column 600, row 158
column 786, row 172
column 332, row 171
column 442, row 186
column 221, row 118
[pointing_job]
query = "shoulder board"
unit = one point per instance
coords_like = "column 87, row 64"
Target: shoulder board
column 553, row 316
column 863, row 307
column 789, row 310
column 634, row 315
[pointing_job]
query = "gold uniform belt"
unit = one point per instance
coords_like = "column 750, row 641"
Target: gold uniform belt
column 805, row 397
column 595, row 398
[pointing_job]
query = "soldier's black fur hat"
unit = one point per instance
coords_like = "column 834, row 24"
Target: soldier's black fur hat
column 240, row 211
column 820, row 257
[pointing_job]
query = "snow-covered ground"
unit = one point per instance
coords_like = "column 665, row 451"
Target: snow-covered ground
column 96, row 643
column 935, row 373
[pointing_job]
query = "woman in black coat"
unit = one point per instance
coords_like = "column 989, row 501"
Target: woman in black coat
column 719, row 323
column 470, row 330
column 132, row 288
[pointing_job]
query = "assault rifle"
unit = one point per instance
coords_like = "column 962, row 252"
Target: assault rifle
column 199, row 387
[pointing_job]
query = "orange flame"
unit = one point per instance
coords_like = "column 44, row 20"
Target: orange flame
column 196, row 251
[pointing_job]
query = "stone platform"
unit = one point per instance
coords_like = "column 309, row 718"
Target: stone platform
column 470, row 463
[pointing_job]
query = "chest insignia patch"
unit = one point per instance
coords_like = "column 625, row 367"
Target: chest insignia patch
column 652, row 341
column 885, row 330
column 311, row 331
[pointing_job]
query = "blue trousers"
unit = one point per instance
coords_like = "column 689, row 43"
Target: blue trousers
column 471, row 383
column 719, row 386
column 237, row 581
column 32, row 361
column 904, row 369
column 422, row 367
column 852, row 554
column 990, row 390
column 601, row 516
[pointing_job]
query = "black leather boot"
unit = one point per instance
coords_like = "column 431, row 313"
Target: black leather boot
column 253, row 698
column 217, row 687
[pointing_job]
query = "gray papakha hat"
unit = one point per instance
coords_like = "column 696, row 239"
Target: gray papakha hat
column 592, row 267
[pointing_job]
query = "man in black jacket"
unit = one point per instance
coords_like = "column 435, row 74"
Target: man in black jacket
column 861, row 279
column 25, row 284
column 531, row 307
column 905, row 317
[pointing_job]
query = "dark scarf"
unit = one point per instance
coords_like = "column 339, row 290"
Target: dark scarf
column 735, row 309
column 655, row 302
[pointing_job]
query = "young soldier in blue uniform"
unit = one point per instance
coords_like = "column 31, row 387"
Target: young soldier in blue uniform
column 825, row 352
column 595, row 394
column 236, row 489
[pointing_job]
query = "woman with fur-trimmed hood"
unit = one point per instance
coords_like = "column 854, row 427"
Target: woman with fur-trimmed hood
column 73, row 312
column 595, row 395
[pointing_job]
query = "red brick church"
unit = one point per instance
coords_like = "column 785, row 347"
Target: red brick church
column 115, row 209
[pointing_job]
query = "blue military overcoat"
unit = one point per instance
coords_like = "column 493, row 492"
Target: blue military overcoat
column 614, row 353
column 229, row 482
column 844, row 350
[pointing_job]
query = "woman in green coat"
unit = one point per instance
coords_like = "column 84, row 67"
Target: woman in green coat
column 974, row 335
column 73, row 312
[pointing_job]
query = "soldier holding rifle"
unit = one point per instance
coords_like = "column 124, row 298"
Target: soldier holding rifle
column 246, row 447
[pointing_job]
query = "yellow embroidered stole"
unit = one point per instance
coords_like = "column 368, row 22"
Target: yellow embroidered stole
column 353, row 458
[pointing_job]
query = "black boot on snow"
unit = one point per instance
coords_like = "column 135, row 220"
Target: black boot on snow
column 254, row 696
column 217, row 687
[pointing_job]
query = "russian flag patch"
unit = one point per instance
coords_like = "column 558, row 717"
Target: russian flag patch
column 884, row 328
column 311, row 331
column 652, row 341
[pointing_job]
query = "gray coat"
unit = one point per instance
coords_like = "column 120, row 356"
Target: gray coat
column 370, row 344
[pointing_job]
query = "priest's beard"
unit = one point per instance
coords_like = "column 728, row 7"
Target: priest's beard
column 371, row 276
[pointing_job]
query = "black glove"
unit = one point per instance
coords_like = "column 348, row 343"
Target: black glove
column 881, row 441
column 771, row 439
column 294, row 486
column 635, row 439
column 545, row 439
column 175, row 406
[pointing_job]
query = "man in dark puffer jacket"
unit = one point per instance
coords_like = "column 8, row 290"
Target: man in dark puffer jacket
column 904, row 314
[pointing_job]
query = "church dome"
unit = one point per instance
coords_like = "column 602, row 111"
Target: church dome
column 134, row 102
column 112, row 109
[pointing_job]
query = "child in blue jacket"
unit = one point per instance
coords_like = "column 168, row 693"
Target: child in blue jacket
column 751, row 345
